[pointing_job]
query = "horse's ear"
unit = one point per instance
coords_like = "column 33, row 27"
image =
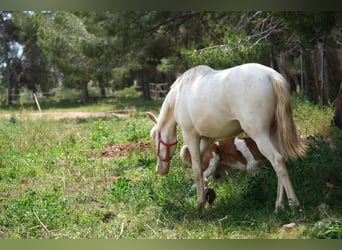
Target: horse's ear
column 152, row 117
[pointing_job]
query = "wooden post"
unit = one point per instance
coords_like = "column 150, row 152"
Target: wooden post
column 321, row 75
column 36, row 100
column 301, row 73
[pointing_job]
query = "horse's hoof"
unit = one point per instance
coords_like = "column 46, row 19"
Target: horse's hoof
column 210, row 195
column 200, row 210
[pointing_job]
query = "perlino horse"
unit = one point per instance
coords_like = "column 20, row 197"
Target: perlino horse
column 208, row 104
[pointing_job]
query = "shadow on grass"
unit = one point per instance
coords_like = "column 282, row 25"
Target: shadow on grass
column 317, row 179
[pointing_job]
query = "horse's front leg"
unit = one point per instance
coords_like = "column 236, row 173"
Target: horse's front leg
column 199, row 178
column 193, row 143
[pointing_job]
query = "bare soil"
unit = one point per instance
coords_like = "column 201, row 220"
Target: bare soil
column 122, row 150
column 66, row 115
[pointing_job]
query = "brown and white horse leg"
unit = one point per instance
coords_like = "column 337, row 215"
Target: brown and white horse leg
column 193, row 142
column 279, row 165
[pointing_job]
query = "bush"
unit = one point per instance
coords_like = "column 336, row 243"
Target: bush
column 326, row 229
column 128, row 93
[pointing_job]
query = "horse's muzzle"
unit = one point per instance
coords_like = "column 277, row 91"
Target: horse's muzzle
column 162, row 170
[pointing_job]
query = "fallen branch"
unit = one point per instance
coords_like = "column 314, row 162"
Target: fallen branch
column 41, row 223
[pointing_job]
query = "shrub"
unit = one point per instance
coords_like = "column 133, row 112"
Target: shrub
column 128, row 93
column 326, row 229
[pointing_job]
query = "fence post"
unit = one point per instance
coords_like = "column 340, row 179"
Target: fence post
column 37, row 102
column 321, row 50
column 301, row 73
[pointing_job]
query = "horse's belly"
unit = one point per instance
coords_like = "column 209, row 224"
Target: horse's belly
column 214, row 128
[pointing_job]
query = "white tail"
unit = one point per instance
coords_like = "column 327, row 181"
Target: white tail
column 285, row 129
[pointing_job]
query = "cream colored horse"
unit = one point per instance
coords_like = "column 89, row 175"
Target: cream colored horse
column 208, row 104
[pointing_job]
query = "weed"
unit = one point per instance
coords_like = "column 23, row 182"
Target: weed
column 12, row 119
column 99, row 134
column 135, row 130
column 325, row 229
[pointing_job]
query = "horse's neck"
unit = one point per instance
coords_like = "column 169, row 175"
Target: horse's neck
column 166, row 118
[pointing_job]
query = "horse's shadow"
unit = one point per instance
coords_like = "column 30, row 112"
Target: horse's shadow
column 317, row 179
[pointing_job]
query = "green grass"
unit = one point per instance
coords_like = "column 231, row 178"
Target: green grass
column 50, row 187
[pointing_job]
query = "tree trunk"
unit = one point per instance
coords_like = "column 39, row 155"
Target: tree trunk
column 85, row 93
column 103, row 92
column 332, row 72
column 284, row 68
column 146, row 91
column 321, row 84
column 312, row 75
column 9, row 87
column 141, row 81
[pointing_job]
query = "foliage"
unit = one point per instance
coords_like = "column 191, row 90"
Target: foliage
column 326, row 229
column 9, row 53
column 27, row 213
column 232, row 52
column 311, row 27
column 114, row 48
column 169, row 65
column 99, row 135
column 135, row 130
column 128, row 93
column 35, row 72
column 62, row 38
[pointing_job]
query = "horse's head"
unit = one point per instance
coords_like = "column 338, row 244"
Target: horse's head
column 338, row 109
column 164, row 148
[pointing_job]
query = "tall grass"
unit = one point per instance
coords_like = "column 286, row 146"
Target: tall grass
column 51, row 187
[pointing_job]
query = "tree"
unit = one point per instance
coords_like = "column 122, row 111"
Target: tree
column 151, row 42
column 241, row 38
column 8, row 53
column 63, row 37
column 314, row 33
column 35, row 71
column 113, row 48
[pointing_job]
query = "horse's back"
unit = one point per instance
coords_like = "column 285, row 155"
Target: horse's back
column 215, row 102
column 240, row 80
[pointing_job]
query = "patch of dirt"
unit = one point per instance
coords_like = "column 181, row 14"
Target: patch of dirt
column 67, row 115
column 122, row 150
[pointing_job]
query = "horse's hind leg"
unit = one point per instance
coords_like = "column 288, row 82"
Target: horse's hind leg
column 205, row 142
column 279, row 165
column 280, row 197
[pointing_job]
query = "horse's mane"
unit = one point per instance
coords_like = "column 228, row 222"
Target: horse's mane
column 187, row 77
column 167, row 107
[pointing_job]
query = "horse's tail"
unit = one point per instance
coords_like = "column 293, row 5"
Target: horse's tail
column 285, row 129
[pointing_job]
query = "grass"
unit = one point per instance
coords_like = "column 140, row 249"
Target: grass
column 50, row 187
